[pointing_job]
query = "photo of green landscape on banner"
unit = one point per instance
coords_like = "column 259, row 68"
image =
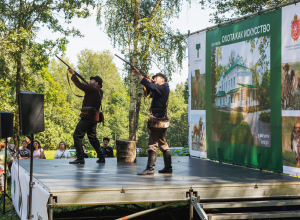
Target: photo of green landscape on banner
column 241, row 83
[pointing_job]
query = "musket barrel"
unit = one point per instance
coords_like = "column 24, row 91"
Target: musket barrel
column 71, row 68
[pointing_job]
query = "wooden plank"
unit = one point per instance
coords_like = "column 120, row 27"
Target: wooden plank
column 254, row 215
column 251, row 204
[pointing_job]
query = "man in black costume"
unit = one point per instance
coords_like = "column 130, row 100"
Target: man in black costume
column 93, row 95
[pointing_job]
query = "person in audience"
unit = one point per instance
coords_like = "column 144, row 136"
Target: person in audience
column 84, row 152
column 62, row 153
column 9, row 160
column 28, row 140
column 24, row 153
column 11, row 148
column 38, row 152
column 108, row 151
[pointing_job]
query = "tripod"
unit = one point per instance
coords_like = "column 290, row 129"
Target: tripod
column 2, row 200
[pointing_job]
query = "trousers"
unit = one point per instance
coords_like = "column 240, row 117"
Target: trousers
column 157, row 139
column 86, row 126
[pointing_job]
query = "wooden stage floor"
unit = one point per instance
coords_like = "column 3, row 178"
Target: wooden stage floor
column 116, row 183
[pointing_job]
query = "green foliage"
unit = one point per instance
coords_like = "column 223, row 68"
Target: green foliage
column 265, row 91
column 228, row 116
column 230, row 128
column 225, row 10
column 24, row 54
column 186, row 92
column 147, row 24
column 177, row 134
column 142, row 30
column 265, row 117
column 184, row 152
column 289, row 159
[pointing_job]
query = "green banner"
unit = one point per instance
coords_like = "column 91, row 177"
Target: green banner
column 243, row 113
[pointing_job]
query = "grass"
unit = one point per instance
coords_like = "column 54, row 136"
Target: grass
column 287, row 127
column 8, row 206
column 289, row 159
column 91, row 153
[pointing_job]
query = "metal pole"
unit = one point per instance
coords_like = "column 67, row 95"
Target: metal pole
column 144, row 212
column 5, row 161
column 51, row 207
column 30, row 181
column 247, row 16
column 191, row 207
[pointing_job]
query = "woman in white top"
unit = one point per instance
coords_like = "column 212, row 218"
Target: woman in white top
column 38, row 152
column 62, row 153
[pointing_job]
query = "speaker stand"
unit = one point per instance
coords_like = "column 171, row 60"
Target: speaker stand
column 2, row 200
column 30, row 181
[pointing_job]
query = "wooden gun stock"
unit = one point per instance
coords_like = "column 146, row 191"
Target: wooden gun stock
column 140, row 71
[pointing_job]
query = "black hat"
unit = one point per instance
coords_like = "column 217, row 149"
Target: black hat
column 97, row 79
column 161, row 75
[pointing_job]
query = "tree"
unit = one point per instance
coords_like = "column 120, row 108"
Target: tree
column 177, row 134
column 236, row 8
column 141, row 29
column 214, row 78
column 115, row 96
column 19, row 24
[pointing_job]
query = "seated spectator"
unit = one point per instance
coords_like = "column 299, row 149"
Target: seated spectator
column 9, row 160
column 11, row 148
column 28, row 140
column 38, row 152
column 1, row 178
column 108, row 151
column 24, row 153
column 62, row 153
column 84, row 152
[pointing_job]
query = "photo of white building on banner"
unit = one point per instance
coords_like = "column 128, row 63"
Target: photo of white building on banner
column 235, row 90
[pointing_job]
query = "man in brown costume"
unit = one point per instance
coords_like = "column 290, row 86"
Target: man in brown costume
column 159, row 90
column 93, row 95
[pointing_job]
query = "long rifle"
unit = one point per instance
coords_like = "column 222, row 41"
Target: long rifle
column 140, row 71
column 80, row 77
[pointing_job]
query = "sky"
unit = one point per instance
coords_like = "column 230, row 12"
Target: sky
column 191, row 18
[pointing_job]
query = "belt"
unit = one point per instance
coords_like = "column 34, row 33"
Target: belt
column 91, row 109
column 158, row 110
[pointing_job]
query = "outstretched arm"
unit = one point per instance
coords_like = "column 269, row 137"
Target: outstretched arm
column 82, row 86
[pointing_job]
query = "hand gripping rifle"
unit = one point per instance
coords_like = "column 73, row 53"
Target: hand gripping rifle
column 146, row 93
column 140, row 71
column 77, row 74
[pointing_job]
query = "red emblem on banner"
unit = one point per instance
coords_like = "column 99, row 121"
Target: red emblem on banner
column 295, row 28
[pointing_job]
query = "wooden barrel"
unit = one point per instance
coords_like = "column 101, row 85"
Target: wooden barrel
column 126, row 151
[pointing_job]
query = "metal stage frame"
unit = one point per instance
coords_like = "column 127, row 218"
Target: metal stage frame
column 116, row 183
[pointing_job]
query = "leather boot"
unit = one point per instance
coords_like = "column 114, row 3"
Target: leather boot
column 101, row 156
column 168, row 162
column 101, row 160
column 150, row 165
column 79, row 160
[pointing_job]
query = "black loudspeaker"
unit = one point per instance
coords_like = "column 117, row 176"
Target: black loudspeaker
column 6, row 124
column 31, row 109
